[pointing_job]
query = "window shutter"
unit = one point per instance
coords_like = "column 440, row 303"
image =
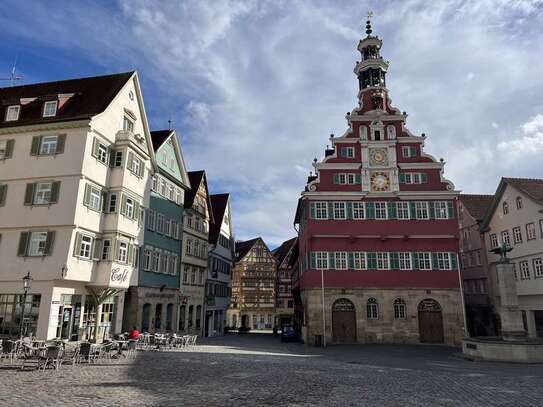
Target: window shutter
column 35, row 146
column 372, row 260
column 415, row 260
column 330, row 210
column 336, row 178
column 9, row 148
column 96, row 249
column 434, row 261
column 103, row 201
column 350, row 260
column 313, row 210
column 391, row 210
column 313, row 260
column 136, row 213
column 86, row 197
column 49, row 243
column 111, row 157
column 61, row 141
column 142, row 169
column 77, row 244
column 130, row 258
column 412, row 210
column 55, row 189
column 432, row 211
column 349, row 210
column 130, row 160
column 357, row 179
column 29, row 194
column 450, row 210
column 343, row 152
column 3, row 193
column 23, row 243
column 115, row 254
column 95, row 146
column 454, row 262
column 370, row 210
column 394, row 260
column 331, row 260
column 402, row 178
column 123, row 205
column 413, row 151
column 423, row 178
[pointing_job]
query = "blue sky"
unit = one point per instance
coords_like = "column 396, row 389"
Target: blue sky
column 256, row 87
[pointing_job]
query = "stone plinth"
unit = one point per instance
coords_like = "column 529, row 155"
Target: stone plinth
column 497, row 350
column 511, row 317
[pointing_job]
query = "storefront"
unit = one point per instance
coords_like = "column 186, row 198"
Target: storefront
column 151, row 309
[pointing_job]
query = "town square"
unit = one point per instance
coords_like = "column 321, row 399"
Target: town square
column 253, row 202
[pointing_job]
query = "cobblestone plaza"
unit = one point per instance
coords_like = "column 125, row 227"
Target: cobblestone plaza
column 257, row 370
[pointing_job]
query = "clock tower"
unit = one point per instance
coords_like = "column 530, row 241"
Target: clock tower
column 378, row 232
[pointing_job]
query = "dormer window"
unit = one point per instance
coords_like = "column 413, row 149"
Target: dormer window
column 128, row 124
column 519, row 202
column 12, row 113
column 505, row 208
column 50, row 108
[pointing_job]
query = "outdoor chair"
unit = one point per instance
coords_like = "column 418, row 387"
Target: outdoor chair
column 52, row 357
column 9, row 350
column 71, row 354
column 30, row 355
column 86, row 353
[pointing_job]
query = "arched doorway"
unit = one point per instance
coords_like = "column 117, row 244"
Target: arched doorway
column 430, row 321
column 245, row 321
column 343, row 321
column 145, row 317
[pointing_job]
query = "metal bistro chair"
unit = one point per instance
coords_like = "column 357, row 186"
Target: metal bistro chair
column 52, row 357
column 86, row 353
column 9, row 350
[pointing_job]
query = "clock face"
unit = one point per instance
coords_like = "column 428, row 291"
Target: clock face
column 380, row 181
column 378, row 156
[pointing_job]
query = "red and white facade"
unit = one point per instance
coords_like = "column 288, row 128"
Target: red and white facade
column 378, row 231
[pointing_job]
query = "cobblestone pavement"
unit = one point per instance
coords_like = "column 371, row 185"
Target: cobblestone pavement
column 257, row 370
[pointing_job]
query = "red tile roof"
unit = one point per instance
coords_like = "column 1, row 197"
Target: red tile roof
column 476, row 205
column 530, row 186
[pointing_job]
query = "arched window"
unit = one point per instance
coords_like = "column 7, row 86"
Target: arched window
column 519, row 202
column 372, row 309
column 391, row 132
column 505, row 208
column 400, row 311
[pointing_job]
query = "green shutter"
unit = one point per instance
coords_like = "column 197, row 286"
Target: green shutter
column 343, row 152
column 9, row 148
column 23, row 243
column 130, row 160
column 357, row 179
column 350, row 260
column 391, row 210
column 413, row 151
column 450, row 210
column 77, row 243
column 412, row 210
column 454, row 262
column 55, row 189
column 96, row 249
column 431, row 206
column 103, row 201
column 130, row 258
column 331, row 260
column 29, row 194
column 86, row 197
column 336, row 178
column 423, row 178
column 394, row 260
column 415, row 260
column 35, row 147
column 370, row 210
column 3, row 193
column 49, row 243
column 313, row 260
column 402, row 178
column 434, row 261
column 372, row 260
column 349, row 210
column 313, row 210
column 61, row 141
column 95, row 147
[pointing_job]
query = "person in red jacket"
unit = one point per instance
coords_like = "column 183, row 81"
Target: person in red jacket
column 134, row 334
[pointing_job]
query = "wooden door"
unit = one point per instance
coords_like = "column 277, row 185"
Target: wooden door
column 343, row 321
column 430, row 322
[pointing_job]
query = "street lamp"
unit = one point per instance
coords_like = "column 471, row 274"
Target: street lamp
column 27, row 282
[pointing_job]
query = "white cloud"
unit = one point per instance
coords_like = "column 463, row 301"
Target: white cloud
column 530, row 143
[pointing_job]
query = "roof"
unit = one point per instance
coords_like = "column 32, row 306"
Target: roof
column 282, row 251
column 242, row 248
column 158, row 137
column 476, row 205
column 219, row 202
column 195, row 178
column 78, row 99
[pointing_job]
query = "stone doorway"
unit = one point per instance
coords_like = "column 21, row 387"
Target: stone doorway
column 343, row 321
column 430, row 321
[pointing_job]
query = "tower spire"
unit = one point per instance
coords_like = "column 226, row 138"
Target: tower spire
column 368, row 23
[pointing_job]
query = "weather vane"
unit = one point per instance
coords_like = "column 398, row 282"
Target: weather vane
column 368, row 22
column 370, row 14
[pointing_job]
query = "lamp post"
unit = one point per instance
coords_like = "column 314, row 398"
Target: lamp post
column 27, row 282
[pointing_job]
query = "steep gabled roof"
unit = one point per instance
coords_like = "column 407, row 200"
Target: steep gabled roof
column 195, row 178
column 158, row 137
column 242, row 248
column 219, row 203
column 283, row 250
column 476, row 205
column 79, row 98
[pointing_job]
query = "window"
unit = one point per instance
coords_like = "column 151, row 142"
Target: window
column 167, row 228
column 538, row 267
column 201, row 277
column 122, row 256
column 505, row 208
column 6, row 148
column 358, row 210
column 359, row 260
column 128, row 124
column 321, row 210
column 106, row 250
column 380, row 210
column 188, row 247
column 136, row 166
column 351, row 179
column 186, row 270
column 493, row 241
column 409, row 151
column 402, row 210
column 155, row 261
column 37, row 243
column 443, row 261
column 129, row 208
column 341, row 260
column 517, row 235
column 118, row 159
column 399, row 309
column 524, row 270
column 85, row 247
column 425, row 262
column 94, row 199
column 505, row 238
column 440, row 210
column 50, row 108
column 112, row 203
column 42, row 193
column 48, row 145
column 342, row 179
column 339, row 210
column 102, row 153
column 382, row 260
column 372, row 309
column 519, row 202
column 147, row 258
column 12, row 113
column 421, row 210
column 193, row 276
column 541, row 227
column 530, row 231
column 405, row 260
column 347, row 152
column 322, row 260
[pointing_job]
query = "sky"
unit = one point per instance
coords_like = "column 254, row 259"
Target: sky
column 255, row 88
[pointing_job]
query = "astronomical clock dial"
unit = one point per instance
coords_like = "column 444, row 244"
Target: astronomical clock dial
column 380, row 181
column 378, row 156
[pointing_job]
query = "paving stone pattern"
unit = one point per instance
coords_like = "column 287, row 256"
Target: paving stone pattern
column 257, row 370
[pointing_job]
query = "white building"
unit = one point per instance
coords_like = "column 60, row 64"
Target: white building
column 221, row 258
column 515, row 217
column 75, row 158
